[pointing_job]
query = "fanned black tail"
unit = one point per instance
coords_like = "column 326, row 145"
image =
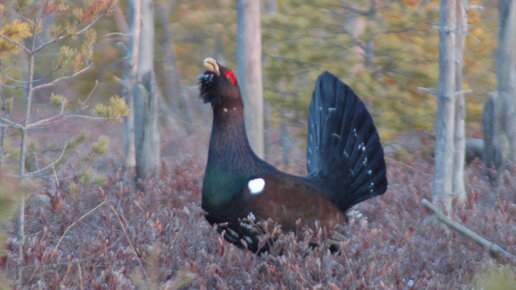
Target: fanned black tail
column 344, row 153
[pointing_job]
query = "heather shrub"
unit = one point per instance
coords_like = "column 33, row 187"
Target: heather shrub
column 109, row 237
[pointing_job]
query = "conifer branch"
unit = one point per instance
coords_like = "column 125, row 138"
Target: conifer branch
column 8, row 123
column 65, row 116
column 26, row 49
column 431, row 91
column 26, row 82
column 65, row 36
column 12, row 87
column 50, row 165
column 63, row 78
column 4, row 70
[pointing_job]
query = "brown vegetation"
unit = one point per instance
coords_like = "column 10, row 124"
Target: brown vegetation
column 161, row 238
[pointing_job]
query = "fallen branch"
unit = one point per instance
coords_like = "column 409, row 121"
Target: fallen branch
column 492, row 247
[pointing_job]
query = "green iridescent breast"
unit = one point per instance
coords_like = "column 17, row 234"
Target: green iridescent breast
column 220, row 186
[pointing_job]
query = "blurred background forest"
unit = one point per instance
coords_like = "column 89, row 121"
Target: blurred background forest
column 385, row 52
column 71, row 67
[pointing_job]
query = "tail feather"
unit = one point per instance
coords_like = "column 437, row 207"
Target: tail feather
column 344, row 152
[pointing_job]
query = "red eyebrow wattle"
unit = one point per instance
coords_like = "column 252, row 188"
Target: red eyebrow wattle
column 230, row 76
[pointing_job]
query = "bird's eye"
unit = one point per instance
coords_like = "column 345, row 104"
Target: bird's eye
column 230, row 76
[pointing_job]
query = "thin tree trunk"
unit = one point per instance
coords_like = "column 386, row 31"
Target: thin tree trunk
column 459, row 147
column 144, row 91
column 146, row 128
column 134, row 22
column 271, row 7
column 24, row 139
column 172, row 84
column 442, row 183
column 506, row 54
column 174, row 102
column 266, row 130
column 129, row 151
column 126, row 27
column 488, row 153
column 510, row 97
column 500, row 109
column 249, row 63
column 286, row 143
column 4, row 112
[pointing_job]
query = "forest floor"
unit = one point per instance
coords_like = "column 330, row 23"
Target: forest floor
column 109, row 237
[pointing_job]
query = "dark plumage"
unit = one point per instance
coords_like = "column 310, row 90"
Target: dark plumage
column 344, row 159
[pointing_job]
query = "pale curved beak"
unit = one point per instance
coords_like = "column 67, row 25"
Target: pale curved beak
column 211, row 65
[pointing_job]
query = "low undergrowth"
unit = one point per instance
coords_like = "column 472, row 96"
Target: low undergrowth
column 108, row 237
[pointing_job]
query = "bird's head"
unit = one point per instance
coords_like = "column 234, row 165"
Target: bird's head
column 218, row 85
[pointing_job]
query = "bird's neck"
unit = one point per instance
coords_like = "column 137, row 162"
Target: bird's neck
column 229, row 146
column 231, row 161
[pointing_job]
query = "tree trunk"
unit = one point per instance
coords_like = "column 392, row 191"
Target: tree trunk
column 442, row 183
column 271, row 7
column 174, row 104
column 144, row 90
column 146, row 127
column 249, row 69
column 499, row 118
column 4, row 112
column 172, row 83
column 134, row 19
column 459, row 146
column 285, row 141
column 126, row 27
column 266, row 131
column 490, row 153
column 129, row 151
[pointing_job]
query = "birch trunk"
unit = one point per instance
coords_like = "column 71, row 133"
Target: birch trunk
column 144, row 91
column 459, row 146
column 249, row 69
column 134, row 19
column 442, row 183
column 146, row 127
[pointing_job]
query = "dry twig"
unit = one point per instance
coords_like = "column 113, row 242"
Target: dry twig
column 76, row 221
column 146, row 275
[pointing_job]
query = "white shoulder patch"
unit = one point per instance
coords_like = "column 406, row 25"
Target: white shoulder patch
column 256, row 185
